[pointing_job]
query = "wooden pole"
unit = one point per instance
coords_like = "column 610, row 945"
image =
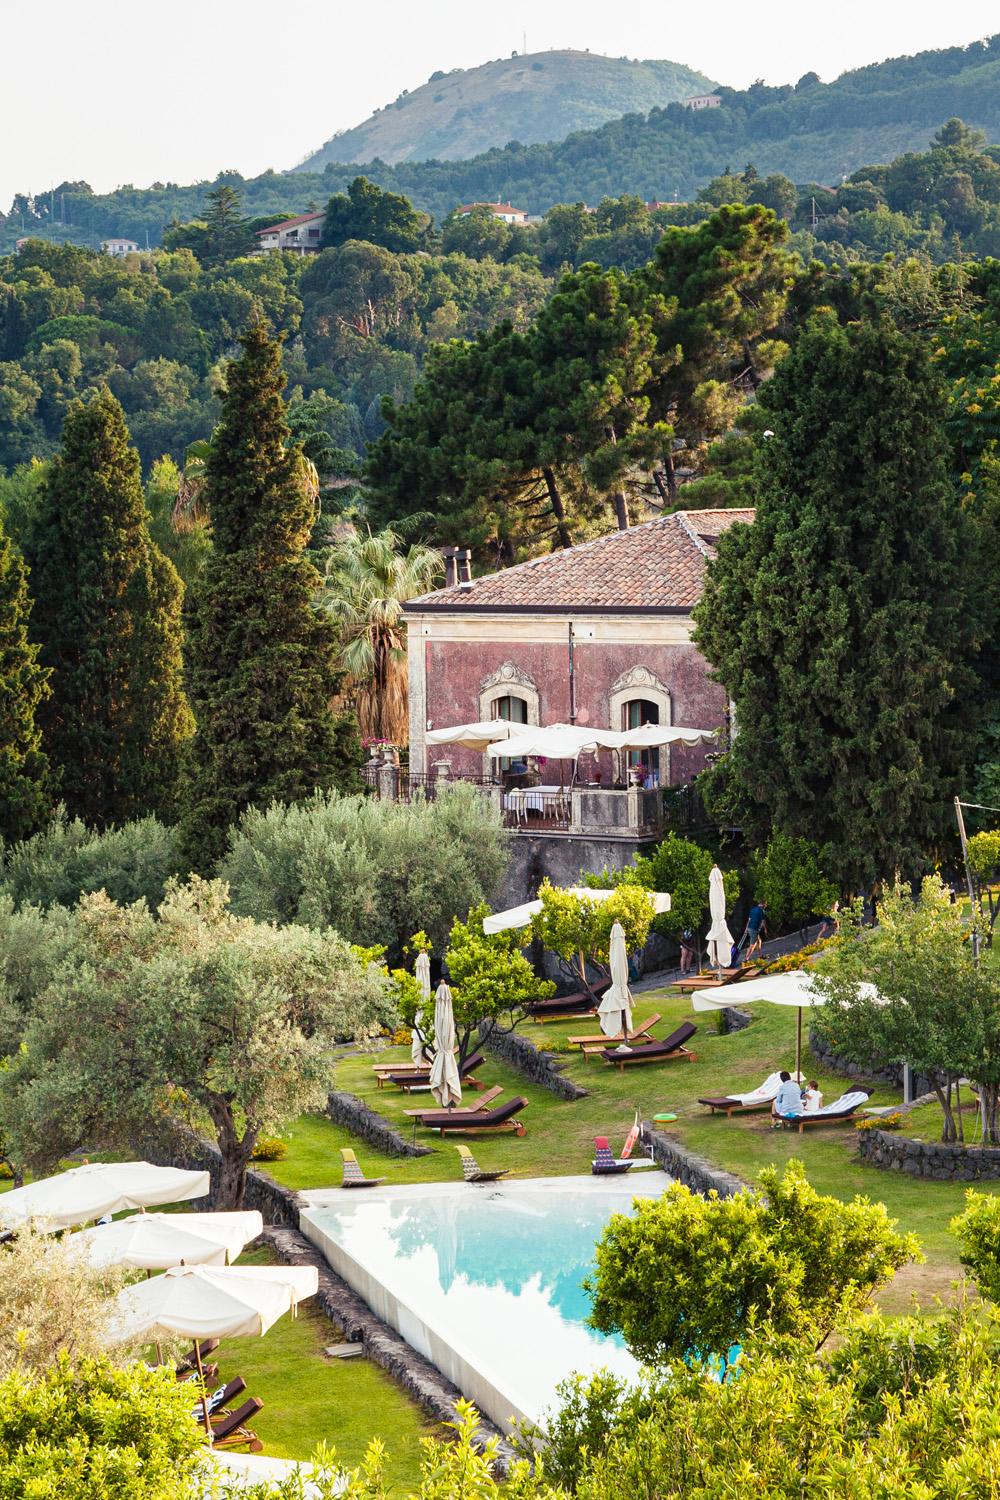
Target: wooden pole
column 204, row 1393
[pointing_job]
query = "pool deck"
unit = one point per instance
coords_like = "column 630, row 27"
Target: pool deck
column 429, row 1337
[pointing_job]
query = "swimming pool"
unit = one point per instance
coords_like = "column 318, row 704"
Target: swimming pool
column 483, row 1281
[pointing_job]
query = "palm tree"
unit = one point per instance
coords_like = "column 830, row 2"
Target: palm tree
column 367, row 580
column 190, row 509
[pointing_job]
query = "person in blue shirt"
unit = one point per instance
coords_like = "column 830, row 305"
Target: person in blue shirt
column 756, row 922
column 787, row 1102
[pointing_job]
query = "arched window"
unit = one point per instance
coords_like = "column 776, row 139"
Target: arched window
column 515, row 711
column 636, row 712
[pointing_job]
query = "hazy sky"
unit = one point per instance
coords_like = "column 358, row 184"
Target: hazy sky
column 114, row 93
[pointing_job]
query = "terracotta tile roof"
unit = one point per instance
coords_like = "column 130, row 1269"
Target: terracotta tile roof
column 653, row 568
column 291, row 223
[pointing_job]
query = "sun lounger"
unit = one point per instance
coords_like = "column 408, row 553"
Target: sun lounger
column 188, row 1364
column 473, row 1172
column 501, row 1118
column 232, row 1431
column 712, row 981
column 410, row 1081
column 606, row 1164
column 598, row 1039
column 758, row 1099
column 353, row 1175
column 831, row 1114
column 568, row 1007
column 481, row 1101
column 671, row 1049
column 219, row 1400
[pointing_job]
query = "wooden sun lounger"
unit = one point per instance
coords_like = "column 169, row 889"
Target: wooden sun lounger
column 232, row 1431
column 568, row 1007
column 481, row 1101
column 711, row 981
column 187, row 1366
column 501, row 1118
column 408, row 1081
column 820, row 1117
column 600, row 1040
column 671, row 1049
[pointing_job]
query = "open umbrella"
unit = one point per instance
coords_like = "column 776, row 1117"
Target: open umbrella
column 474, row 736
column 99, row 1188
column 422, row 970
column 720, row 939
column 794, row 988
column 615, row 1009
column 155, row 1242
column 446, row 1085
column 204, row 1302
column 520, row 916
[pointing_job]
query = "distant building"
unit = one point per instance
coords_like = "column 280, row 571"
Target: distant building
column 302, row 235
column 498, row 210
column 19, row 245
column 704, row 101
column 119, row 247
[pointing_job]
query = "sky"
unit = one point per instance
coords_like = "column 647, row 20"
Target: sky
column 138, row 94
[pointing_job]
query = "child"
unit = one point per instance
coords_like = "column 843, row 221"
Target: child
column 812, row 1099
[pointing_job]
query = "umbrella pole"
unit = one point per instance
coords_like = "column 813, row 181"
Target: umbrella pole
column 204, row 1393
column 798, row 1050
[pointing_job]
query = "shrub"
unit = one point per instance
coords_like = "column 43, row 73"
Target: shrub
column 51, row 1304
column 978, row 1231
column 88, row 1431
column 67, row 859
column 270, row 1148
column 376, row 871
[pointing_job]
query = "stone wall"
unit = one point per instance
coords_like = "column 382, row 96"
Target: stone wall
column 524, row 1057
column 891, row 1074
column 348, row 1110
column 276, row 1204
column 695, row 1171
column 736, row 1020
column 941, row 1163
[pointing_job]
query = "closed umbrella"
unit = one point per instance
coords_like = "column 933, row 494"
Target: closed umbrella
column 422, row 970
column 99, row 1188
column 155, row 1242
column 205, row 1302
column 615, row 1009
column 720, row 939
column 446, row 1086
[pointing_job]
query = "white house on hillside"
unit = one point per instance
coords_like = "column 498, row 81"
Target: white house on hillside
column 704, row 101
column 498, row 210
column 301, row 235
column 119, row 247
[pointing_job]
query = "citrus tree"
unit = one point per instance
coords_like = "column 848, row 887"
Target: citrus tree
column 578, row 928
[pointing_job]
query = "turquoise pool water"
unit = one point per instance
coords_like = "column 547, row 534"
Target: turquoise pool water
column 485, row 1281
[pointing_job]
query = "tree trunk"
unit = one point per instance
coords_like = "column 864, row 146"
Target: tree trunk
column 236, row 1155
column 621, row 505
column 558, row 509
column 671, row 473
column 660, row 483
column 944, row 1099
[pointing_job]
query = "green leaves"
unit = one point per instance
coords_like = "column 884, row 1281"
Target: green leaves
column 789, row 877
column 578, row 929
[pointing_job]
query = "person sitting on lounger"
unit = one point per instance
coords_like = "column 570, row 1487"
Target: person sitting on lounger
column 787, row 1102
column 812, row 1099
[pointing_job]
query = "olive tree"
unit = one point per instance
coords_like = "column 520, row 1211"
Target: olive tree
column 193, row 1012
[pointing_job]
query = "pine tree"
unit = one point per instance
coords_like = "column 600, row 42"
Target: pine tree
column 26, row 781
column 108, row 619
column 262, row 659
column 839, row 622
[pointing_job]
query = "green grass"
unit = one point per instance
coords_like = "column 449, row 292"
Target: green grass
column 308, row 1398
column 560, row 1135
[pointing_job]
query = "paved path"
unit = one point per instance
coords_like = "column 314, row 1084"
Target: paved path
column 774, row 948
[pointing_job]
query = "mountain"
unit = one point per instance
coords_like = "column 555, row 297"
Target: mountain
column 538, row 97
column 811, row 131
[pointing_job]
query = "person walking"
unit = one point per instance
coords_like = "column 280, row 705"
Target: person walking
column 689, row 956
column 756, row 925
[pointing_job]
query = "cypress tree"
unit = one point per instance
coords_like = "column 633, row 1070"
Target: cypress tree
column 26, row 782
column 261, row 659
column 841, row 619
column 108, row 619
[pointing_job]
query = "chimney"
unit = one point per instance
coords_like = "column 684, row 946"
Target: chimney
column 463, row 560
column 450, row 568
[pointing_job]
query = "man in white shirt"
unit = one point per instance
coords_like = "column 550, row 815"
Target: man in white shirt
column 787, row 1102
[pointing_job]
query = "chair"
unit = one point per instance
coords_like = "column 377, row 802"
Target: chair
column 501, row 1118
column 219, row 1400
column 711, row 981
column 353, row 1175
column 606, row 1164
column 671, row 1049
column 188, row 1366
column 473, row 1172
column 589, row 1044
column 232, row 1432
column 481, row 1101
column 410, row 1081
column 568, row 1007
column 831, row 1114
column 759, row 1099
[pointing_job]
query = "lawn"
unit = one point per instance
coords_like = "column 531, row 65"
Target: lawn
column 560, row 1135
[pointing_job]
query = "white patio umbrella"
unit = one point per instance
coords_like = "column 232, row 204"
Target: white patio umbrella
column 720, row 939
column 99, row 1188
column 204, row 1302
column 422, row 971
column 615, row 1009
column 554, row 741
column 474, row 736
column 155, row 1242
column 446, row 1085
column 652, row 736
column 520, row 916
column 794, row 988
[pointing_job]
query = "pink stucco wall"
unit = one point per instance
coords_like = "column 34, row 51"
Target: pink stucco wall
column 455, row 672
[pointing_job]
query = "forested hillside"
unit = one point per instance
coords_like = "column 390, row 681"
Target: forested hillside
column 810, row 132
column 535, row 97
